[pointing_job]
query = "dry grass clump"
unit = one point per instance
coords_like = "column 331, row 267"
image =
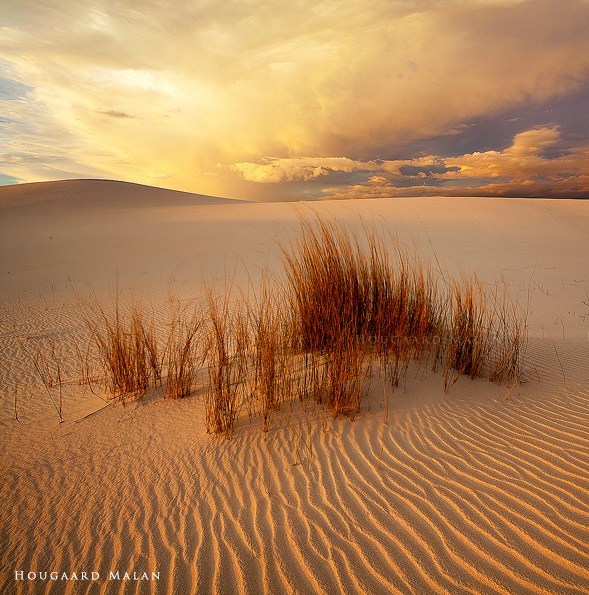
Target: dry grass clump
column 405, row 307
column 337, row 286
column 327, row 287
column 486, row 337
column 372, row 303
column 134, row 353
column 344, row 367
column 249, row 359
column 407, row 310
column 270, row 332
column 508, row 327
column 469, row 337
column 127, row 349
column 356, row 298
column 227, row 359
column 348, row 303
column 183, row 354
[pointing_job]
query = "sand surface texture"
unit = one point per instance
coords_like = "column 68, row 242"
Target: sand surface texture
column 482, row 489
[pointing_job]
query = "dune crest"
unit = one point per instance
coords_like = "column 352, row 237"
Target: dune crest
column 98, row 193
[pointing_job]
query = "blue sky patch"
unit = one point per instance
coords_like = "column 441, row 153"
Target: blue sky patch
column 6, row 180
column 12, row 90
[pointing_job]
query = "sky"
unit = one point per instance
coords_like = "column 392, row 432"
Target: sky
column 297, row 100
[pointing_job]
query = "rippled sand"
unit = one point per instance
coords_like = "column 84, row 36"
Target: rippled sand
column 482, row 489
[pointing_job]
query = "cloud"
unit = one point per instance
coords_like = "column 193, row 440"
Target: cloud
column 276, row 170
column 116, row 114
column 521, row 169
column 523, row 159
column 532, row 142
column 221, row 85
column 307, row 168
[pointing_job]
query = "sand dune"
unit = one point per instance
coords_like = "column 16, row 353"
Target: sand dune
column 483, row 489
column 96, row 194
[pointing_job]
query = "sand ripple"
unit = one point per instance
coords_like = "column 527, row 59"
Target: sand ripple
column 480, row 490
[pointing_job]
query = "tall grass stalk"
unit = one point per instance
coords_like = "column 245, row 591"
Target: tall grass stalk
column 270, row 335
column 184, row 353
column 127, row 349
column 344, row 373
column 227, row 350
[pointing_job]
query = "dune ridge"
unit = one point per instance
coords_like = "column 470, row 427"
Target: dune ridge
column 97, row 194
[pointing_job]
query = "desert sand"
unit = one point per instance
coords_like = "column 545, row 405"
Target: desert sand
column 481, row 489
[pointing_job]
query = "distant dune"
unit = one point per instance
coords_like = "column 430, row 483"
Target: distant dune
column 88, row 193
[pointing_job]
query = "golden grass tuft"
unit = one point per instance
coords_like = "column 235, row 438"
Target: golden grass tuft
column 183, row 353
column 127, row 349
column 227, row 347
column 271, row 335
column 348, row 303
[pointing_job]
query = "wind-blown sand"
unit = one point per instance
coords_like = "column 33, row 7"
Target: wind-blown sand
column 481, row 489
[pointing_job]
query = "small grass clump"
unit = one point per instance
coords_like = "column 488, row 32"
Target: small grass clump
column 469, row 337
column 183, row 353
column 127, row 349
column 135, row 354
column 227, row 350
column 510, row 340
column 485, row 337
column 344, row 368
column 271, row 334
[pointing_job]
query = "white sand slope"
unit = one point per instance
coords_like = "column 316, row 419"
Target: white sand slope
column 68, row 195
column 484, row 489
